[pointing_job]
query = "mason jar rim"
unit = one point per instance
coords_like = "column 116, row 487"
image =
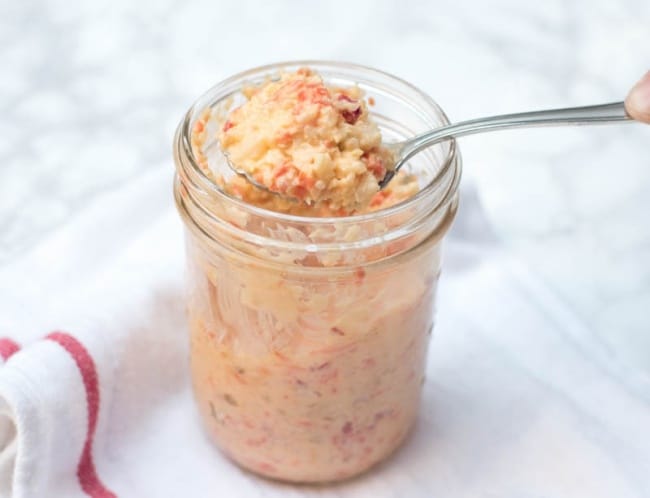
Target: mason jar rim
column 184, row 141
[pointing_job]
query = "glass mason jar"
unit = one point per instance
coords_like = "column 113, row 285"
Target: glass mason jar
column 309, row 335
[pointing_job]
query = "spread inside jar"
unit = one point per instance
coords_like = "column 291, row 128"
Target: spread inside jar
column 307, row 375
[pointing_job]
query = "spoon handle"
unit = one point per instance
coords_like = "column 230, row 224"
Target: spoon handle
column 594, row 114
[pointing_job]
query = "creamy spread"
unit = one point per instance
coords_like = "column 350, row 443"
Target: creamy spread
column 310, row 381
column 306, row 140
column 308, row 377
column 401, row 187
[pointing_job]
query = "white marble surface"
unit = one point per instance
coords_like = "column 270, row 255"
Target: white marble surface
column 90, row 94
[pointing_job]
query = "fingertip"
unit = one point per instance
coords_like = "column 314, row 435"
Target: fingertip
column 637, row 102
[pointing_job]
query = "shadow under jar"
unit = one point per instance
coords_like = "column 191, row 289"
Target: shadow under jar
column 309, row 335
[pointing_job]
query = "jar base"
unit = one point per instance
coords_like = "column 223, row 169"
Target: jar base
column 276, row 475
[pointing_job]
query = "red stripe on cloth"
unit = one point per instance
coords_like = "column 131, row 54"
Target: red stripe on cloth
column 8, row 347
column 86, row 472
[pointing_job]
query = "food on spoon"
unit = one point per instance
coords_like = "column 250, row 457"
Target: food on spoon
column 306, row 140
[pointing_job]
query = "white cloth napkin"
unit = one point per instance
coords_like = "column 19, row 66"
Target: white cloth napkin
column 95, row 396
column 97, row 312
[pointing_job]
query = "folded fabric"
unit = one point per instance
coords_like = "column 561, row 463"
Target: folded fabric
column 90, row 317
column 95, row 396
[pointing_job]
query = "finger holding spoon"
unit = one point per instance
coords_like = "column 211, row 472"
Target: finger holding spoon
column 637, row 102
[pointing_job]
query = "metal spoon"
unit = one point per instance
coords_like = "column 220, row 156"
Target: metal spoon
column 595, row 114
column 403, row 151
